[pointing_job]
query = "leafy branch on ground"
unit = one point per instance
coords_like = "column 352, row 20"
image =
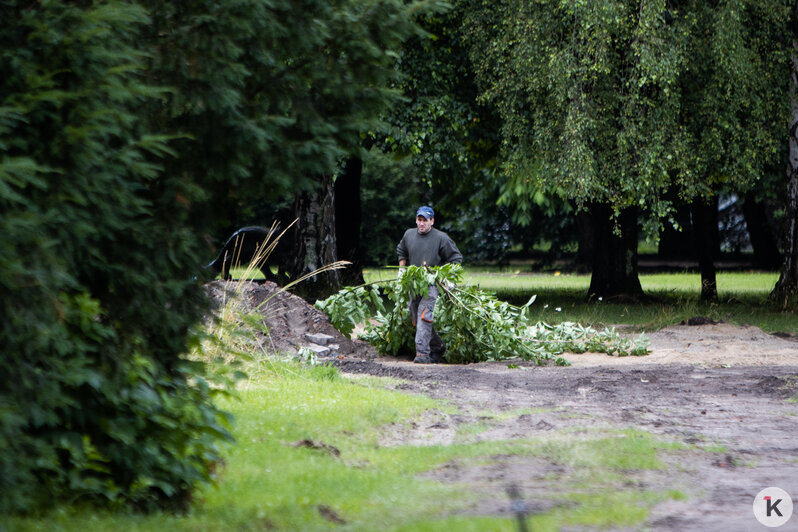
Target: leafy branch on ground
column 473, row 323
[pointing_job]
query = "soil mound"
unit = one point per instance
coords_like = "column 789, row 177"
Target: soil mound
column 292, row 323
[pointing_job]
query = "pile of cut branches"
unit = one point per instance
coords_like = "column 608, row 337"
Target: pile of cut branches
column 473, row 323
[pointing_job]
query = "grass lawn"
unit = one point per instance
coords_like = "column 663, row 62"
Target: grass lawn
column 309, row 457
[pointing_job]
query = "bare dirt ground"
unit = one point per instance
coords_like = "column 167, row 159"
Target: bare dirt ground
column 719, row 389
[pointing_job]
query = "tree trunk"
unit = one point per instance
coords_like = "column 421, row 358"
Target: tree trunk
column 348, row 219
column 786, row 290
column 707, row 242
column 314, row 242
column 673, row 244
column 585, row 252
column 763, row 239
column 614, row 257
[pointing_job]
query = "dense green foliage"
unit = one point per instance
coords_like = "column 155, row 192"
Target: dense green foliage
column 617, row 102
column 269, row 96
column 624, row 109
column 127, row 132
column 473, row 323
column 95, row 402
column 445, row 140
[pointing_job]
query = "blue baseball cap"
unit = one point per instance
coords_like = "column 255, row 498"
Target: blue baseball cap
column 426, row 212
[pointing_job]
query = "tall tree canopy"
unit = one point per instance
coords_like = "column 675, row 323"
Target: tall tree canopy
column 269, row 96
column 450, row 138
column 616, row 103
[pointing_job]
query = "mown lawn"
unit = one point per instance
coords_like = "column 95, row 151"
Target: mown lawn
column 309, row 456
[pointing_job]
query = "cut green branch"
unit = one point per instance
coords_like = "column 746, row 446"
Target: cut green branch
column 484, row 329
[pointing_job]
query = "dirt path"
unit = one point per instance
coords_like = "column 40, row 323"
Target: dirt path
column 709, row 387
column 742, row 409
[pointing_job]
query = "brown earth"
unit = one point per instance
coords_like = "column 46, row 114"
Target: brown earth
column 722, row 390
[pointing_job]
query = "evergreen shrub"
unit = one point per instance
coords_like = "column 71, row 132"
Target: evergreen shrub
column 96, row 302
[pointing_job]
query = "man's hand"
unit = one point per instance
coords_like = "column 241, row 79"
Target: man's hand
column 401, row 272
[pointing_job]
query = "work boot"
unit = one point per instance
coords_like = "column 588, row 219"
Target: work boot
column 422, row 359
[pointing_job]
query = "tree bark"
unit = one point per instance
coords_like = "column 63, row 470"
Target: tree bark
column 786, row 290
column 615, row 256
column 675, row 244
column 348, row 219
column 707, row 242
column 585, row 252
column 763, row 238
column 785, row 293
column 314, row 241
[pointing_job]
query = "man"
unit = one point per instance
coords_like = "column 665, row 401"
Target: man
column 426, row 246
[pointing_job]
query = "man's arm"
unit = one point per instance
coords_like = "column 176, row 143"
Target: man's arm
column 449, row 252
column 401, row 251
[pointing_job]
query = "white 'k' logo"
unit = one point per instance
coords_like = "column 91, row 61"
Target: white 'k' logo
column 772, row 507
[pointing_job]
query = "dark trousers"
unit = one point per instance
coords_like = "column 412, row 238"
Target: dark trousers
column 422, row 313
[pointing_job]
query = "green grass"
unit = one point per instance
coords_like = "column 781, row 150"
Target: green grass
column 269, row 483
column 245, row 273
column 611, row 509
column 686, row 285
column 742, row 298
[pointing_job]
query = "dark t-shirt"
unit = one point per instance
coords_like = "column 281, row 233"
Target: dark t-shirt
column 433, row 248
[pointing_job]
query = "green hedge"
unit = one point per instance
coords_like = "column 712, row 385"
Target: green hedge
column 129, row 133
column 97, row 305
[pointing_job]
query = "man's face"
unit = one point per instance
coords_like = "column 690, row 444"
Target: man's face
column 424, row 224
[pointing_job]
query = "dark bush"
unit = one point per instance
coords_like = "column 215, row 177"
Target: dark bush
column 97, row 302
column 129, row 131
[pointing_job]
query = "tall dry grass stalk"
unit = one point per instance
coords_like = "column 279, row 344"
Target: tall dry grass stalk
column 238, row 332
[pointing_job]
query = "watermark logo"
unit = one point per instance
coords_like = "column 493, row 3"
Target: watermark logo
column 772, row 507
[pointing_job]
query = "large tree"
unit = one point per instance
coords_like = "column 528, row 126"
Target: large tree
column 270, row 98
column 733, row 107
column 348, row 71
column 450, row 139
column 586, row 94
column 617, row 103
column 245, row 79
